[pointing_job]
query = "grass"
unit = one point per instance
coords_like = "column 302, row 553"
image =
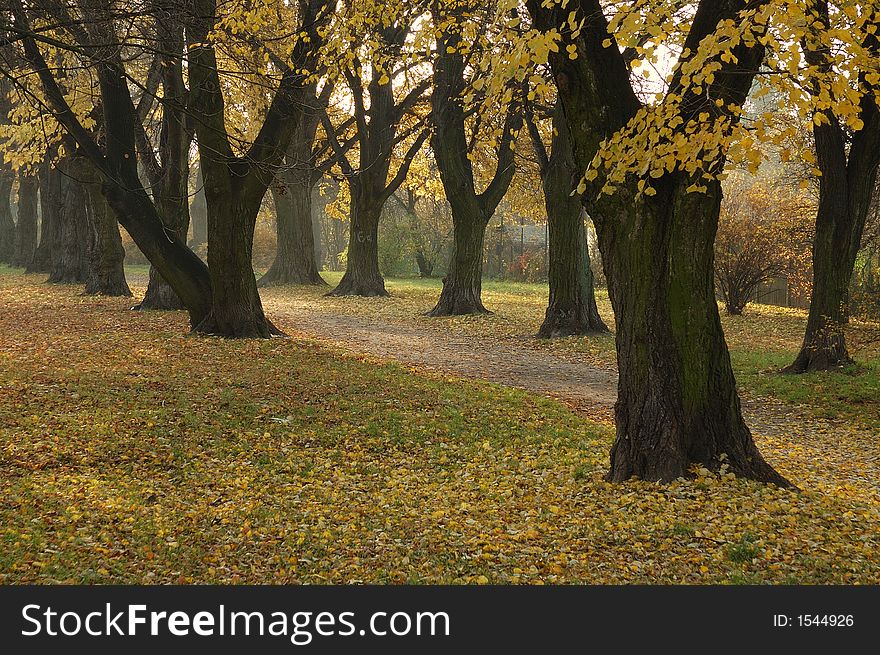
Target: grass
column 132, row 453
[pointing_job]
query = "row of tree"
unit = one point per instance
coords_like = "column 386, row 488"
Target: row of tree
column 277, row 95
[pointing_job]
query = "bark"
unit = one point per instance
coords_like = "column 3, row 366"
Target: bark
column 377, row 133
column 51, row 205
column 470, row 211
column 362, row 276
column 170, row 178
column 70, row 264
column 572, row 307
column 677, row 401
column 26, row 228
column 106, row 256
column 295, row 259
column 845, row 190
column 235, row 186
column 426, row 267
column 7, row 224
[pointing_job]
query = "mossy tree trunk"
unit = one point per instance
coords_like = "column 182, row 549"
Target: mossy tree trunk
column 677, row 401
column 106, row 255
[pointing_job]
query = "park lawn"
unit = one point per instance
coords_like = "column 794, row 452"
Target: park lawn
column 761, row 342
column 132, row 453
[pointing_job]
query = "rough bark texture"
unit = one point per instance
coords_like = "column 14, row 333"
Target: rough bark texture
column 845, row 191
column 677, row 402
column 572, row 307
column 51, row 205
column 7, row 225
column 26, row 227
column 117, row 162
column 106, row 255
column 362, row 276
column 70, row 263
column 295, row 260
column 470, row 211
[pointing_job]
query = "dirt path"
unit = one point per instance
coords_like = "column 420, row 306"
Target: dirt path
column 484, row 359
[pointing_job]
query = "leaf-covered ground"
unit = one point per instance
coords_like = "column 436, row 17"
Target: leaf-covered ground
column 130, row 452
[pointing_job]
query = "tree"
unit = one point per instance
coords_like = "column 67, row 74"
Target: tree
column 7, row 224
column 235, row 184
column 652, row 191
column 295, row 260
column 749, row 247
column 572, row 307
column 471, row 210
column 26, row 226
column 847, row 147
column 106, row 273
column 378, row 117
column 52, row 183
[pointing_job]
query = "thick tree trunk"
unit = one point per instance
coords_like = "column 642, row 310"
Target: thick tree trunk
column 198, row 213
column 26, row 228
column 70, row 264
column 572, row 307
column 106, row 257
column 51, row 205
column 362, row 276
column 677, row 402
column 7, row 225
column 426, row 267
column 295, row 257
column 462, row 284
column 237, row 311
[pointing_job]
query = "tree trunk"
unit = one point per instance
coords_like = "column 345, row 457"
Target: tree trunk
column 51, row 205
column 26, row 228
column 295, row 257
column 71, row 262
column 462, row 284
column 426, row 267
column 846, row 188
column 106, row 257
column 677, row 402
column 572, row 307
column 7, row 225
column 198, row 213
column 237, row 311
column 362, row 276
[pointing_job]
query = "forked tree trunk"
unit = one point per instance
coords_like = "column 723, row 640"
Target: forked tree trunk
column 7, row 224
column 106, row 257
column 362, row 276
column 26, row 227
column 294, row 261
column 677, row 402
column 51, row 205
column 572, row 307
